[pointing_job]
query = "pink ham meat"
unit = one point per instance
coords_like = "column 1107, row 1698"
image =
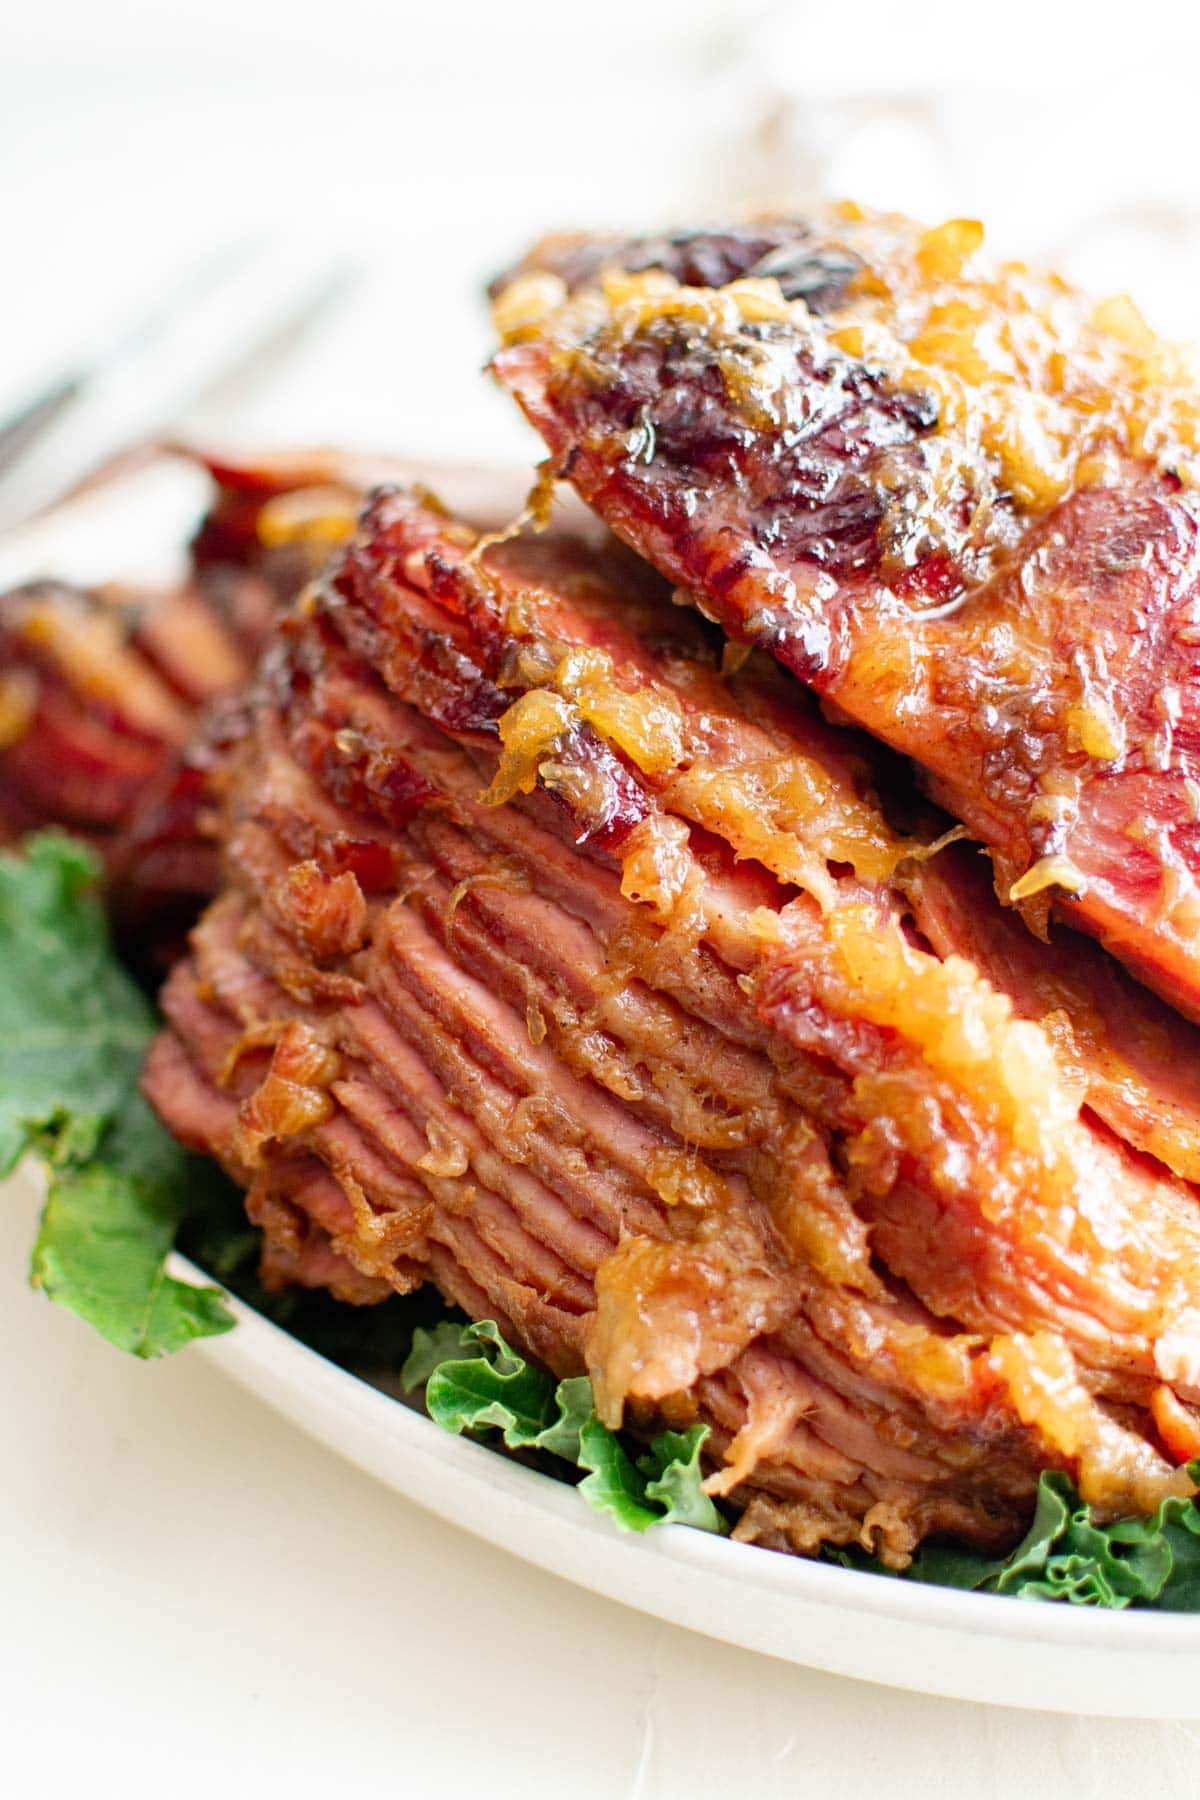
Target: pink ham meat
column 1134, row 1058
column 557, row 968
column 958, row 502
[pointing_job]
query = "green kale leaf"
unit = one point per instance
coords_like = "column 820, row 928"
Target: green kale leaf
column 475, row 1382
column 674, row 1477
column 1067, row 1556
column 73, row 1032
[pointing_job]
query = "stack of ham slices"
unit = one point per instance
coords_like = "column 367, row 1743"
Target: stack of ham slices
column 753, row 956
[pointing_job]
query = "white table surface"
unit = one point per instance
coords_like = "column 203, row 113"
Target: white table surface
column 196, row 1600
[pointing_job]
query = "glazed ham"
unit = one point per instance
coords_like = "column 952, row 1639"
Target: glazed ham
column 100, row 688
column 97, row 690
column 569, row 954
column 571, row 964
column 117, row 705
column 958, row 502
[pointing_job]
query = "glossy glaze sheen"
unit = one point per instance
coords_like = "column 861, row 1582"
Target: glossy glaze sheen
column 957, row 501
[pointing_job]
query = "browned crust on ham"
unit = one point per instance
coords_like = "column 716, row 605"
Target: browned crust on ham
column 958, row 501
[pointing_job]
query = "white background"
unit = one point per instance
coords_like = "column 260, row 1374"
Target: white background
column 195, row 1600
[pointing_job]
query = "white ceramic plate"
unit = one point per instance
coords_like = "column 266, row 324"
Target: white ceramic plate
column 935, row 1641
column 967, row 1646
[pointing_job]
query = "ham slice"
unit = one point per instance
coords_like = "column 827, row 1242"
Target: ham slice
column 958, row 502
column 100, row 688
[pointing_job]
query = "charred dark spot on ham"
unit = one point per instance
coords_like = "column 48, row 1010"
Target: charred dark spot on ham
column 811, row 477
column 790, row 252
column 818, row 277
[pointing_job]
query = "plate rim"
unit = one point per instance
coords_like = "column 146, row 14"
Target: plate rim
column 308, row 1385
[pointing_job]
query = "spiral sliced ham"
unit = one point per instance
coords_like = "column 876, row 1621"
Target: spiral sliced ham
column 99, row 688
column 117, row 704
column 556, row 966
